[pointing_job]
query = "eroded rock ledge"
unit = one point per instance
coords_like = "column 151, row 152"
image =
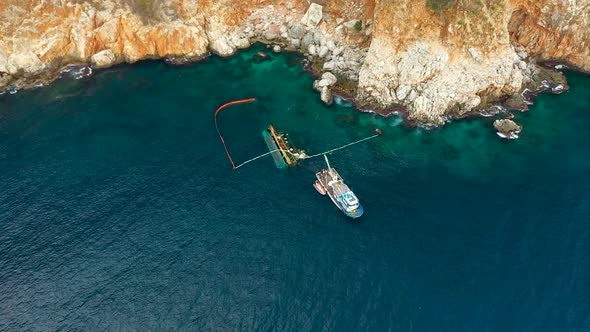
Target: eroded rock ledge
column 435, row 59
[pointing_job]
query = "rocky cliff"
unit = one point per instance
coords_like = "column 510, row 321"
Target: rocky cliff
column 434, row 58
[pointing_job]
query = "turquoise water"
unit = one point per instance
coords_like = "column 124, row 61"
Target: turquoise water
column 120, row 211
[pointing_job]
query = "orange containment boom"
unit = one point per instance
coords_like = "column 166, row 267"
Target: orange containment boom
column 241, row 101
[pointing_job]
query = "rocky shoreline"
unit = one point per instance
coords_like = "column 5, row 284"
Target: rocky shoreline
column 332, row 88
column 353, row 54
column 501, row 106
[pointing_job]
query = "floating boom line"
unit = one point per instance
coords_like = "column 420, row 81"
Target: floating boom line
column 241, row 101
column 258, row 157
column 307, row 157
column 341, row 147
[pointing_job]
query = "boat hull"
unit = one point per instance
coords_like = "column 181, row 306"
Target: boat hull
column 320, row 188
column 272, row 146
column 355, row 213
column 324, row 182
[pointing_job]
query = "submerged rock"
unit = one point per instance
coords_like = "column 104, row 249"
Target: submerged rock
column 260, row 56
column 507, row 128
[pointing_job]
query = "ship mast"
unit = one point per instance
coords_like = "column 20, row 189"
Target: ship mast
column 327, row 162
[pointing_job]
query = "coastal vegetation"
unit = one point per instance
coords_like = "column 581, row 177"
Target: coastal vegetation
column 440, row 5
column 146, row 9
column 358, row 26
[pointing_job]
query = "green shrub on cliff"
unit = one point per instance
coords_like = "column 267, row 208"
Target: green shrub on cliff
column 358, row 26
column 440, row 5
column 144, row 8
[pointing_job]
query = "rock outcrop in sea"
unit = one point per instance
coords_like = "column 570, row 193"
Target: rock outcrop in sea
column 436, row 59
column 507, row 128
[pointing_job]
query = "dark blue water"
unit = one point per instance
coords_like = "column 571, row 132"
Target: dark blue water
column 120, row 211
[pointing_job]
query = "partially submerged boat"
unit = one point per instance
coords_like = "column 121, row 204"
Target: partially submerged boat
column 283, row 154
column 331, row 183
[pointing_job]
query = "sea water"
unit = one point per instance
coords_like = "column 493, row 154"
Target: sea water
column 120, row 211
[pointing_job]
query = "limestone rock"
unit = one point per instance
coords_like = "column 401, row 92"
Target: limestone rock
column 328, row 65
column 421, row 61
column 218, row 39
column 3, row 64
column 421, row 110
column 103, row 59
column 276, row 48
column 422, row 105
column 222, row 47
column 313, row 16
column 412, row 96
column 240, row 41
column 306, row 41
column 316, row 86
column 312, row 49
column 329, row 78
column 270, row 34
column 323, row 51
column 473, row 102
column 323, row 83
column 326, row 95
column 28, row 62
column 507, row 128
column 402, row 91
column 475, row 54
column 318, row 38
column 297, row 31
column 331, row 45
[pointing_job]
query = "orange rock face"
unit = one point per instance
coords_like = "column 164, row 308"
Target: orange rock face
column 408, row 46
column 553, row 30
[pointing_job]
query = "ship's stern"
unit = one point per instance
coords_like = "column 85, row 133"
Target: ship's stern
column 356, row 213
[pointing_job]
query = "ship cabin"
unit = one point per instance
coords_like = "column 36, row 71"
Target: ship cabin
column 349, row 200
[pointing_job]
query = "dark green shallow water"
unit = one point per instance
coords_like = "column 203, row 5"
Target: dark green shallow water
column 120, row 211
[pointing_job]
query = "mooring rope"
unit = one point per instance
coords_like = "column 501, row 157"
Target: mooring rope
column 342, row 147
column 255, row 158
column 307, row 157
